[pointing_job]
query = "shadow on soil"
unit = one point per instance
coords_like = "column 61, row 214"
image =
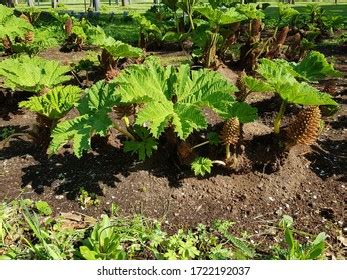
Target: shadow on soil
column 9, row 103
column 329, row 159
column 67, row 174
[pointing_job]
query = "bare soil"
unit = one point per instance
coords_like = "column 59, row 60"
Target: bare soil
column 310, row 184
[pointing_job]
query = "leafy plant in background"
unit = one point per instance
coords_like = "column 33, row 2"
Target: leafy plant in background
column 113, row 52
column 315, row 67
column 55, row 103
column 296, row 251
column 174, row 7
column 32, row 74
column 274, row 45
column 31, row 13
column 77, row 31
column 147, row 30
column 47, row 37
column 188, row 7
column 13, row 30
column 216, row 19
column 252, row 47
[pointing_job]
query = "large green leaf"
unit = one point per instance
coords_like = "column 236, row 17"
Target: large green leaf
column 220, row 17
column 94, row 109
column 188, row 118
column 303, row 94
column 243, row 111
column 101, row 96
column 146, row 82
column 32, row 74
column 204, row 88
column 145, row 24
column 118, row 49
column 250, row 10
column 281, row 76
column 286, row 12
column 56, row 103
column 156, row 116
column 12, row 26
column 276, row 72
column 256, row 85
column 315, row 67
column 77, row 130
column 174, row 96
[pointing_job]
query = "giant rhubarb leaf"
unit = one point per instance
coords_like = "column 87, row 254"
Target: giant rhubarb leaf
column 174, row 96
column 94, row 109
column 315, row 67
column 54, row 104
column 32, row 74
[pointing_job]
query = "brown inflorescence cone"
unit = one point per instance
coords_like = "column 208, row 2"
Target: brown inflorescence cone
column 282, row 35
column 29, row 37
column 6, row 43
column 24, row 17
column 231, row 132
column 111, row 73
column 240, row 84
column 256, row 27
column 68, row 26
column 305, row 128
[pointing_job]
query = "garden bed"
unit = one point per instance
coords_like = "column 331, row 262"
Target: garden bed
column 310, row 185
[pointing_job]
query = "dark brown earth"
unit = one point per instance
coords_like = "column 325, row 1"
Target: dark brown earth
column 310, row 185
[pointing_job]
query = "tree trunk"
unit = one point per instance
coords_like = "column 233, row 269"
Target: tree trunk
column 96, row 4
column 55, row 4
column 10, row 3
column 31, row 3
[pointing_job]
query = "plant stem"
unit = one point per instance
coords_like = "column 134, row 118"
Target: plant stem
column 124, row 131
column 227, row 151
column 177, row 22
column 279, row 116
column 219, row 162
column 190, row 14
column 275, row 33
column 201, row 144
column 211, row 52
